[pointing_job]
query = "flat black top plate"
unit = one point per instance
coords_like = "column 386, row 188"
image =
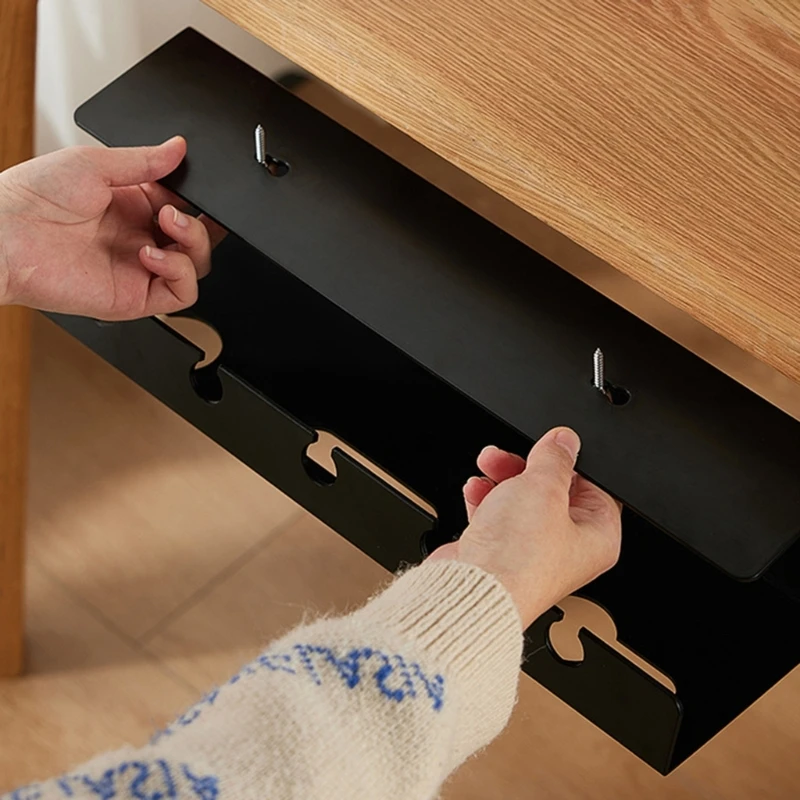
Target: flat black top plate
column 693, row 451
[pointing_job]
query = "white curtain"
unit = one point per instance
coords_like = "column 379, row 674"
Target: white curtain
column 85, row 44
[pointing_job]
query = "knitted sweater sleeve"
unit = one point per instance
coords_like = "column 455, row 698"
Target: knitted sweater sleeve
column 383, row 703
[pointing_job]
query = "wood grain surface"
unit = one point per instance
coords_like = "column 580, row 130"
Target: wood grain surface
column 17, row 58
column 661, row 135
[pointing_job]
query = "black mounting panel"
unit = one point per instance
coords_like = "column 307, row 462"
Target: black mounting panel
column 293, row 363
column 370, row 304
column 693, row 451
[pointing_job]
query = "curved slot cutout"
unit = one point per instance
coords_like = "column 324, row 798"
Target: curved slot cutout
column 277, row 167
column 203, row 377
column 200, row 334
column 614, row 395
column 617, row 395
column 581, row 613
column 318, row 460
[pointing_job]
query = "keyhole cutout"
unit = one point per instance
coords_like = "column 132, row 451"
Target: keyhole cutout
column 581, row 613
column 203, row 376
column 613, row 394
column 277, row 167
column 320, row 455
column 616, row 395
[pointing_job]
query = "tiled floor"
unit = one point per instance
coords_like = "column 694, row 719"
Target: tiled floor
column 158, row 564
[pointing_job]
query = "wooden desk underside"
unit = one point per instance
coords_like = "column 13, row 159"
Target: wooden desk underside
column 662, row 136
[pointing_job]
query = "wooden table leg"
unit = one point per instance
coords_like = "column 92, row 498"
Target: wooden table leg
column 17, row 60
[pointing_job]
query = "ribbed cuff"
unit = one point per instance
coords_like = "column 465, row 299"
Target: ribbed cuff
column 465, row 623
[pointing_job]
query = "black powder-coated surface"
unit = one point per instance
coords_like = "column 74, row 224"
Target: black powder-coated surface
column 694, row 452
column 292, row 362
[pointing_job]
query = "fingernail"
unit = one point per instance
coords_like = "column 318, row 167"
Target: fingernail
column 155, row 253
column 181, row 220
column 570, row 441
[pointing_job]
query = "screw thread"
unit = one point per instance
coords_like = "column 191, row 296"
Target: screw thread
column 261, row 144
column 599, row 379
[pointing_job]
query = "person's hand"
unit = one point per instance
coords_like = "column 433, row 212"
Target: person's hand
column 87, row 231
column 542, row 530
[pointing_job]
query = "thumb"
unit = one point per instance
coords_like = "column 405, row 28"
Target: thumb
column 128, row 166
column 553, row 457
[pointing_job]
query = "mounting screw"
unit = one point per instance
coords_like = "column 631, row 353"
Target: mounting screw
column 261, row 145
column 276, row 167
column 616, row 395
column 599, row 377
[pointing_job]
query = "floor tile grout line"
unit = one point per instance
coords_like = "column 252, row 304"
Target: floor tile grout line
column 145, row 638
column 139, row 643
column 111, row 628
